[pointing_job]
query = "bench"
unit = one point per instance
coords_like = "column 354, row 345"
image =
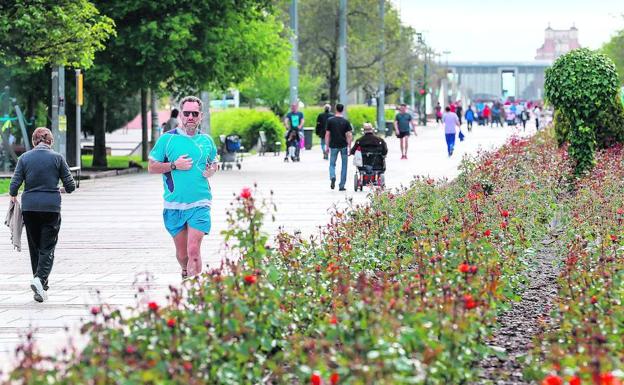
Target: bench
column 76, row 171
column 264, row 145
column 88, row 150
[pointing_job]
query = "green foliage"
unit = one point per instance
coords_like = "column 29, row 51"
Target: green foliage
column 562, row 127
column 114, row 161
column 247, row 124
column 4, row 185
column 614, row 48
column 60, row 32
column 582, row 85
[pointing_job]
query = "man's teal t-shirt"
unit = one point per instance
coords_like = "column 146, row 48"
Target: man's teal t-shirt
column 185, row 189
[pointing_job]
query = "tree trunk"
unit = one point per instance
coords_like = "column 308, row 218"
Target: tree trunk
column 154, row 108
column 144, row 144
column 31, row 105
column 99, row 134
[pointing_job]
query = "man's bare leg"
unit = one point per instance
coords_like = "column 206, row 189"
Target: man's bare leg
column 180, row 241
column 194, row 264
column 406, row 143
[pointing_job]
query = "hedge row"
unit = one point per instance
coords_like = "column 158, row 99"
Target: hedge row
column 247, row 124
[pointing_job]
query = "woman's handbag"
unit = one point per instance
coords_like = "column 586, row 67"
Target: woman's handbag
column 461, row 136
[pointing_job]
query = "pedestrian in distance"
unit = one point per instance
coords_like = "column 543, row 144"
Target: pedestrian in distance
column 537, row 114
column 438, row 112
column 338, row 137
column 403, row 126
column 172, row 122
column 294, row 119
column 470, row 117
column 458, row 111
column 186, row 158
column 486, row 114
column 40, row 169
column 321, row 126
column 451, row 125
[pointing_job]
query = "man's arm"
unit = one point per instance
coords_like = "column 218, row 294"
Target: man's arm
column 183, row 163
column 396, row 126
column 349, row 138
column 327, row 141
column 301, row 124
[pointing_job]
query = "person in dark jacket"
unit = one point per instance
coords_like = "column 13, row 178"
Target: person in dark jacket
column 369, row 142
column 321, row 126
column 40, row 170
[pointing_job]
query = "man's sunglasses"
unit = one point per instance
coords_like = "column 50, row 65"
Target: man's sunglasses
column 189, row 113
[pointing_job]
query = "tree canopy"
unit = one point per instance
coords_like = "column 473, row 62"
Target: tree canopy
column 61, row 32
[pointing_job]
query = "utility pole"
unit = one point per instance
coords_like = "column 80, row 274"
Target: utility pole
column 79, row 100
column 205, row 98
column 412, row 87
column 381, row 99
column 342, row 52
column 294, row 41
column 425, row 88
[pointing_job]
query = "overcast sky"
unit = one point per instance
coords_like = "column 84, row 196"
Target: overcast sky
column 500, row 30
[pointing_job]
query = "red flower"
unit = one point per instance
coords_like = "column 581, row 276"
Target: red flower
column 620, row 211
column 188, row 366
column 469, row 302
column 245, row 193
column 503, row 225
column 473, row 269
column 250, row 279
column 333, row 320
column 609, row 379
column 593, row 300
column 171, row 322
column 552, row 379
column 464, row 268
column 131, row 349
column 614, row 238
column 334, row 378
column 95, row 310
column 153, row 306
column 315, row 379
column 504, row 213
column 487, row 232
column 576, row 380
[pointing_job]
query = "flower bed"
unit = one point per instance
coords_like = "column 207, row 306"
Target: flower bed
column 405, row 290
column 587, row 346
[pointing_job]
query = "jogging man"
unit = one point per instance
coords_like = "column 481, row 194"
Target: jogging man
column 403, row 125
column 186, row 158
column 294, row 120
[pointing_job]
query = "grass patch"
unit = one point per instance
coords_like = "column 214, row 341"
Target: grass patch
column 114, row 161
column 4, row 185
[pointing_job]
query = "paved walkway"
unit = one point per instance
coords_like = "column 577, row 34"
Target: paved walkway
column 112, row 240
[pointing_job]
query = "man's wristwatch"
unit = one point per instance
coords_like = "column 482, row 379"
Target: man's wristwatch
column 173, row 166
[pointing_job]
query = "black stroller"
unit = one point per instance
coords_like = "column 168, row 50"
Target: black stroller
column 230, row 152
column 372, row 170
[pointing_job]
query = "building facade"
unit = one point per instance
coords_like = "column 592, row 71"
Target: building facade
column 557, row 42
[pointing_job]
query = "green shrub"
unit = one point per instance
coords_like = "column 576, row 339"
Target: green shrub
column 357, row 115
column 583, row 85
column 247, row 124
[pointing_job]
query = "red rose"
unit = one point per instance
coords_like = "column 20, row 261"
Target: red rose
column 504, row 213
column 614, row 238
column 95, row 310
column 503, row 225
column 131, row 349
column 609, row 379
column 333, row 320
column 171, row 322
column 576, row 380
column 250, row 279
column 552, row 379
column 334, row 378
column 153, row 306
column 188, row 366
column 593, row 300
column 315, row 379
column 487, row 232
column 464, row 268
column 245, row 193
column 469, row 302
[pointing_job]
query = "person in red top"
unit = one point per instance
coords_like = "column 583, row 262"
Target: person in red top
column 486, row 114
column 452, row 107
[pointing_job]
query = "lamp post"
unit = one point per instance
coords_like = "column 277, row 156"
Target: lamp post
column 381, row 96
column 423, row 115
column 294, row 40
column 446, row 81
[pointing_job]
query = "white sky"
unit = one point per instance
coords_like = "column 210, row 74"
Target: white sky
column 501, row 30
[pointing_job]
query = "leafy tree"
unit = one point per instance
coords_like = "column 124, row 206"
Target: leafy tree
column 583, row 87
column 61, row 32
column 318, row 44
column 614, row 48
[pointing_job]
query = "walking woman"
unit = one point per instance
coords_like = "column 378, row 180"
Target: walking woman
column 40, row 170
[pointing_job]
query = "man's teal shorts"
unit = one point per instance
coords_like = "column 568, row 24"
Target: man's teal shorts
column 176, row 220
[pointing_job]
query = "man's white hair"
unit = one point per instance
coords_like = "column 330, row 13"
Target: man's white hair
column 191, row 99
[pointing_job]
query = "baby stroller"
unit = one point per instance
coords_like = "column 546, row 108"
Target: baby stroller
column 372, row 170
column 292, row 142
column 230, row 152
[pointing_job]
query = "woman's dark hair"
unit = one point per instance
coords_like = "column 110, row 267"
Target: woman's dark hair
column 174, row 113
column 447, row 109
